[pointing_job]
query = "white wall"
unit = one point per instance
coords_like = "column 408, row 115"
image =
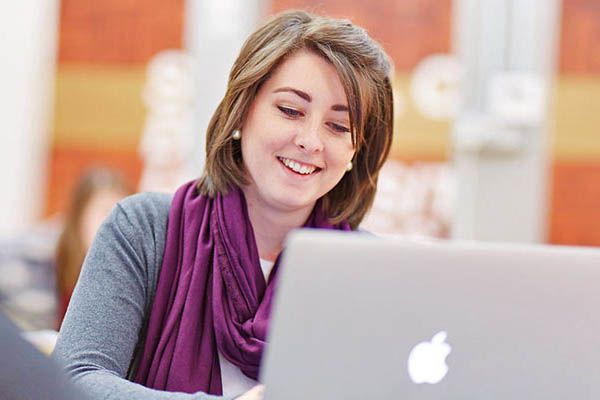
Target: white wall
column 500, row 143
column 214, row 33
column 28, row 42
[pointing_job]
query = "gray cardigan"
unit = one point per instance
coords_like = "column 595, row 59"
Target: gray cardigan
column 99, row 341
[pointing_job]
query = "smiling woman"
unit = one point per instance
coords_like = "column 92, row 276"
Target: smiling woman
column 175, row 293
column 296, row 142
column 360, row 70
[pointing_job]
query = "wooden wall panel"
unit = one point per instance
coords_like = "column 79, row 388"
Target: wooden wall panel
column 574, row 118
column 99, row 106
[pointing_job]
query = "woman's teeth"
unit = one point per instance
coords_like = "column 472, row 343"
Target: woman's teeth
column 297, row 167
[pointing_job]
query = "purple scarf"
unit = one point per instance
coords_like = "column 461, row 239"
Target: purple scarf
column 211, row 294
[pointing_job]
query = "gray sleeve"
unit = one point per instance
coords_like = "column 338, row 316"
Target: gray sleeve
column 112, row 299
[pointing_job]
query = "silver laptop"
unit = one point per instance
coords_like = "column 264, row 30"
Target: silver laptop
column 358, row 317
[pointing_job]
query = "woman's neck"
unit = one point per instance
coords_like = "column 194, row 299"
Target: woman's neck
column 271, row 226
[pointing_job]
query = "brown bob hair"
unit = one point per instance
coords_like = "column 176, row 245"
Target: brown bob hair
column 364, row 70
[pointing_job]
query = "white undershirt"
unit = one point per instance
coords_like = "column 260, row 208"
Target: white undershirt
column 234, row 381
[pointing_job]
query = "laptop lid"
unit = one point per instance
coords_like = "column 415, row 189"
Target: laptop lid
column 360, row 317
column 27, row 374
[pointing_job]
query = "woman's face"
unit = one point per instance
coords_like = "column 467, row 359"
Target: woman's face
column 296, row 140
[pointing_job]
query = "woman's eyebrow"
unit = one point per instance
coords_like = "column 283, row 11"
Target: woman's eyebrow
column 297, row 92
column 305, row 96
column 339, row 107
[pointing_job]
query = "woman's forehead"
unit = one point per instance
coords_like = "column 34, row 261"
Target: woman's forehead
column 308, row 76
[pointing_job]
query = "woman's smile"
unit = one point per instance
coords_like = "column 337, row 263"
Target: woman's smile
column 298, row 167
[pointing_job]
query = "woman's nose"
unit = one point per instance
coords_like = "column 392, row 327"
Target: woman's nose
column 308, row 139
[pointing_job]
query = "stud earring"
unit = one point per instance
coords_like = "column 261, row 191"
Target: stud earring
column 236, row 135
column 349, row 166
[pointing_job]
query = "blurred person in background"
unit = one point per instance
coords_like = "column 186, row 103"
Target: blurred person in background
column 94, row 195
column 175, row 294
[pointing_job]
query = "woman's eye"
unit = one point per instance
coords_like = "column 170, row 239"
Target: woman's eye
column 289, row 111
column 339, row 128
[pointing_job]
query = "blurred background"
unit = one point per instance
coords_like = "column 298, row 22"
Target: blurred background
column 497, row 125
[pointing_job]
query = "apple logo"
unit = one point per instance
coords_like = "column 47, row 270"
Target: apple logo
column 427, row 360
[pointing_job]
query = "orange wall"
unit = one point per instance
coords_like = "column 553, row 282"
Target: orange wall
column 575, row 207
column 580, row 33
column 103, row 48
column 118, row 31
column 575, row 203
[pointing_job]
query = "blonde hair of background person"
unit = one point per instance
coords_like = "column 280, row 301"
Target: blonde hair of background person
column 299, row 138
column 92, row 198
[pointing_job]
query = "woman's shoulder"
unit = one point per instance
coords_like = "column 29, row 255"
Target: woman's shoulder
column 142, row 212
column 147, row 203
column 139, row 223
